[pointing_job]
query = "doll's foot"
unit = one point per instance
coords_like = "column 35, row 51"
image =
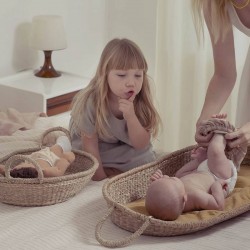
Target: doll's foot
column 156, row 175
column 221, row 116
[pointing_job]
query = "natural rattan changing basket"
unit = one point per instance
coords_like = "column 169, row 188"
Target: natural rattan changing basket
column 46, row 191
column 132, row 186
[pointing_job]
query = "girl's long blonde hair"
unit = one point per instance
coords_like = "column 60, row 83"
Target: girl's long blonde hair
column 218, row 17
column 118, row 54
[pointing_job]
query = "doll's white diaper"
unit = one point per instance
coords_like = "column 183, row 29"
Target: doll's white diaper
column 230, row 181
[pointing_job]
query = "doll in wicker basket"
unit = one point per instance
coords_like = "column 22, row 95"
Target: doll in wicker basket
column 53, row 161
column 202, row 183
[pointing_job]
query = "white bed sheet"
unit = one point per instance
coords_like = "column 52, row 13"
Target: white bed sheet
column 71, row 225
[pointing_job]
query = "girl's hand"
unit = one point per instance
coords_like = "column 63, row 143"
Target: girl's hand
column 241, row 137
column 126, row 106
column 99, row 175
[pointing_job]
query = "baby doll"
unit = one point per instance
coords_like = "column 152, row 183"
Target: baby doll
column 202, row 183
column 53, row 161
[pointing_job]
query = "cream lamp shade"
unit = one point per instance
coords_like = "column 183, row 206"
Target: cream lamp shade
column 47, row 34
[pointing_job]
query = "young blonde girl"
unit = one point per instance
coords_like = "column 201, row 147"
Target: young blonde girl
column 220, row 16
column 113, row 118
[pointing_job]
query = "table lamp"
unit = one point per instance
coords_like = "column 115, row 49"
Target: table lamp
column 47, row 34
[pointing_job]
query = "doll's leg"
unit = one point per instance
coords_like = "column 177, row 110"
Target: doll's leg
column 69, row 156
column 217, row 160
column 200, row 154
column 64, row 142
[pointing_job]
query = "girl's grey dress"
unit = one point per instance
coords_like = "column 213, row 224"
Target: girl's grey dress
column 117, row 151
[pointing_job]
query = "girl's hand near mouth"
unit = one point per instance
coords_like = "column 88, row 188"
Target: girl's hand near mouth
column 126, row 106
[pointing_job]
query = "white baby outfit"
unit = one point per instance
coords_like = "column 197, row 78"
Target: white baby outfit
column 46, row 155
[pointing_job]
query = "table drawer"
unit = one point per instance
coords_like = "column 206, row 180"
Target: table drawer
column 60, row 104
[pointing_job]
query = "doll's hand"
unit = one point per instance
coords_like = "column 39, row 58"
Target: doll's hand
column 126, row 106
column 224, row 186
column 156, row 175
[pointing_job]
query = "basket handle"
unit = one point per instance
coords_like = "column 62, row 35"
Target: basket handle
column 118, row 243
column 53, row 130
column 14, row 158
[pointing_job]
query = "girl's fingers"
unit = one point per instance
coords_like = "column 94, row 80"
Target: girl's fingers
column 132, row 97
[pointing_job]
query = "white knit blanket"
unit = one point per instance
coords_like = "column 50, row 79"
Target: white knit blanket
column 26, row 139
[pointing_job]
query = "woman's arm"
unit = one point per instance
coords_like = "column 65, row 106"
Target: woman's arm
column 224, row 77
column 90, row 145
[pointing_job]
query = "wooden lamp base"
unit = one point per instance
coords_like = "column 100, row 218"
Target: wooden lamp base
column 47, row 71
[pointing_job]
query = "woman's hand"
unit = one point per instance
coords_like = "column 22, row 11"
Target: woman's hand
column 240, row 137
column 202, row 140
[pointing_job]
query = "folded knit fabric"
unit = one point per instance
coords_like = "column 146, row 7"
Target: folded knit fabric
column 216, row 125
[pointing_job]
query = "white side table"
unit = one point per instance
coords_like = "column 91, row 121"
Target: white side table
column 28, row 93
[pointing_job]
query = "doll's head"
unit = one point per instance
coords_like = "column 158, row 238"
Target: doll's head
column 165, row 198
column 24, row 172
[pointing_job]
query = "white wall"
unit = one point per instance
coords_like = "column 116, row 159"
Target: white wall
column 89, row 24
column 136, row 20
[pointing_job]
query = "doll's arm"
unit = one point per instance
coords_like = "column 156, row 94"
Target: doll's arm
column 187, row 168
column 215, row 200
column 59, row 169
column 90, row 145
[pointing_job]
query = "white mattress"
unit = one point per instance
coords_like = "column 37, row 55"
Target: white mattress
column 71, row 225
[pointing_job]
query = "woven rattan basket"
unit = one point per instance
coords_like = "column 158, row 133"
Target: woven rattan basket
column 132, row 186
column 45, row 191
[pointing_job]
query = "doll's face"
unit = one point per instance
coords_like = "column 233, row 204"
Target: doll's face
column 125, row 83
